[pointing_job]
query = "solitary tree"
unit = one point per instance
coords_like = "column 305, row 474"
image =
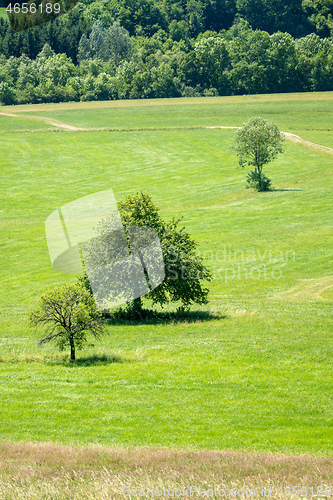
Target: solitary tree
column 69, row 314
column 257, row 143
column 184, row 269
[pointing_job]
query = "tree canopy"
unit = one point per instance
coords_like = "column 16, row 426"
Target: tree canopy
column 185, row 272
column 184, row 269
column 102, row 62
column 144, row 49
column 69, row 315
column 257, row 143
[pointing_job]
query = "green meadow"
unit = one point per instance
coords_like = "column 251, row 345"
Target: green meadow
column 252, row 370
column 308, row 115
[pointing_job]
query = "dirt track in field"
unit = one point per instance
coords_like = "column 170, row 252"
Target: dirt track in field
column 54, row 123
column 295, row 138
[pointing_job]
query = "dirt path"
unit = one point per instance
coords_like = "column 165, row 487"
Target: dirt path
column 295, row 138
column 54, row 123
column 64, row 125
column 9, row 114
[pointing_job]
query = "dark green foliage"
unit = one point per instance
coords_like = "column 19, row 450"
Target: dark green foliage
column 258, row 180
column 179, row 19
column 139, row 17
column 272, row 16
column 63, row 34
column 29, row 20
column 319, row 14
column 184, row 270
column 133, row 310
column 169, row 53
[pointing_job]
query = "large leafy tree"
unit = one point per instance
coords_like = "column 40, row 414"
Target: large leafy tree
column 69, row 315
column 213, row 56
column 257, row 143
column 184, row 269
column 219, row 14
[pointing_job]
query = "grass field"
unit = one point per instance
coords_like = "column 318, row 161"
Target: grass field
column 308, row 115
column 8, row 124
column 254, row 375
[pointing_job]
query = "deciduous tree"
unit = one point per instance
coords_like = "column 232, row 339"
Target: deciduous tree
column 257, row 143
column 69, row 315
column 185, row 271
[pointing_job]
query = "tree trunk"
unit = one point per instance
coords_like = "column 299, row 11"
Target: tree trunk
column 71, row 341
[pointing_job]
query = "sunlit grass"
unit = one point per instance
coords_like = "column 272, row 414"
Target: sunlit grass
column 306, row 114
column 256, row 378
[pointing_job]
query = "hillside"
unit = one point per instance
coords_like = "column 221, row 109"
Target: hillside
column 252, row 370
column 141, row 50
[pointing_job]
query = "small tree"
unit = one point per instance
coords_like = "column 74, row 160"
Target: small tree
column 69, row 314
column 257, row 143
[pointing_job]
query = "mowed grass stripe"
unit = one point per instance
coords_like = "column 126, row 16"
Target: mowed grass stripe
column 319, row 96
column 291, row 116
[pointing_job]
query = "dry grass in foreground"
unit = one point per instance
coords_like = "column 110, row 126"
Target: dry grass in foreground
column 48, row 471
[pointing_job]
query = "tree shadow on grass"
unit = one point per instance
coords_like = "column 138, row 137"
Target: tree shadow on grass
column 149, row 317
column 277, row 189
column 93, row 360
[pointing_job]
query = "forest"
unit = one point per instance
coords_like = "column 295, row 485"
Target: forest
column 145, row 49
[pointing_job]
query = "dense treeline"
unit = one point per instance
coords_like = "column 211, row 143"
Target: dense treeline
column 62, row 34
column 178, row 18
column 113, row 65
column 147, row 48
